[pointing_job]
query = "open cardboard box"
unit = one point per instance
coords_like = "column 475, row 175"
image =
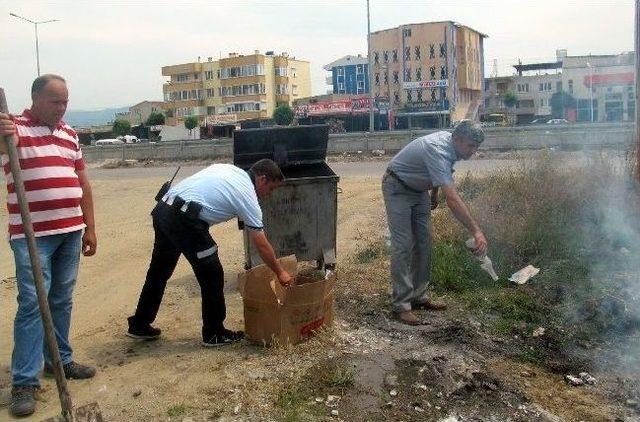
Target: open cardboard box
column 275, row 314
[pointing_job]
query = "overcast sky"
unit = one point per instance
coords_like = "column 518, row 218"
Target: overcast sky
column 111, row 52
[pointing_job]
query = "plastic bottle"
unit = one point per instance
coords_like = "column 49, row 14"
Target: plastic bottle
column 485, row 261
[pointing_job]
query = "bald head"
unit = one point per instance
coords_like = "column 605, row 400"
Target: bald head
column 49, row 97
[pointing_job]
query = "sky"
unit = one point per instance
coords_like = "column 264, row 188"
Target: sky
column 111, row 52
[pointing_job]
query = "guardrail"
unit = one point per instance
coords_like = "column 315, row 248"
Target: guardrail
column 510, row 138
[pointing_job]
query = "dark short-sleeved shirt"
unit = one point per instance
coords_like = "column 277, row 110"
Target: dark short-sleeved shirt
column 426, row 162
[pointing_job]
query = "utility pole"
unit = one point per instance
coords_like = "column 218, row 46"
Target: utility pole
column 35, row 24
column 370, row 72
column 637, row 72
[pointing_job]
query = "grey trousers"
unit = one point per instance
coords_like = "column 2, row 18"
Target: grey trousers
column 409, row 220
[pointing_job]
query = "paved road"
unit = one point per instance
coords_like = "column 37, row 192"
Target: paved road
column 343, row 169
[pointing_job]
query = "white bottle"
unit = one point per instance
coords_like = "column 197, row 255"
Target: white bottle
column 485, row 261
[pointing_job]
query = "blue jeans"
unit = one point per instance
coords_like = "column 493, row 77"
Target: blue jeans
column 59, row 257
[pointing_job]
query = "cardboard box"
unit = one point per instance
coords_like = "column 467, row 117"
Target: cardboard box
column 274, row 314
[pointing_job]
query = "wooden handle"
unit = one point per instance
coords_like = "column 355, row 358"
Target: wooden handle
column 45, row 313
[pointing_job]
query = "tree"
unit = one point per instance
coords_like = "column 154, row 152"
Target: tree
column 121, row 127
column 283, row 115
column 510, row 99
column 155, row 119
column 190, row 122
column 560, row 101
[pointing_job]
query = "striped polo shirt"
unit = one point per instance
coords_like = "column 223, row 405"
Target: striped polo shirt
column 49, row 161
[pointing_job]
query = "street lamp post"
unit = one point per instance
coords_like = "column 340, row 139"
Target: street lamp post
column 590, row 88
column 370, row 73
column 35, row 24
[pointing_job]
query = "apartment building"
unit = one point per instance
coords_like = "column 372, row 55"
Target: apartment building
column 235, row 88
column 139, row 113
column 602, row 87
column 428, row 74
column 349, row 75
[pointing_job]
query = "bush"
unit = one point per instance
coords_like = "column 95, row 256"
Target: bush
column 283, row 115
column 121, row 127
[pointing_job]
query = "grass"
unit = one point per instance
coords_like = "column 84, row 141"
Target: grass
column 177, row 410
column 296, row 400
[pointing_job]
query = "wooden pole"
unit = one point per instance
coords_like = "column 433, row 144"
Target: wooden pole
column 45, row 312
column 637, row 73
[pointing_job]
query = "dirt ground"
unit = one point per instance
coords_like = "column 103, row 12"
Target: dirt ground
column 446, row 370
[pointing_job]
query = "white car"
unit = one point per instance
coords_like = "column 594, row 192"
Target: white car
column 129, row 139
column 102, row 142
column 558, row 122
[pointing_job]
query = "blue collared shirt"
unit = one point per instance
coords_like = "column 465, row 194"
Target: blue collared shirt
column 426, row 162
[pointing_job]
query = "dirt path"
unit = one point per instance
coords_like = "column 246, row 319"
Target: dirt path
column 175, row 369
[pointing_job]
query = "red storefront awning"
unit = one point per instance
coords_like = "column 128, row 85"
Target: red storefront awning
column 609, row 79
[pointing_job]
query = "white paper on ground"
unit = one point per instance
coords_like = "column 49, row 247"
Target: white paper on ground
column 524, row 274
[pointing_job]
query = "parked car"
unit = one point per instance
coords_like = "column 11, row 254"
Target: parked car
column 539, row 121
column 558, row 122
column 103, row 142
column 129, row 139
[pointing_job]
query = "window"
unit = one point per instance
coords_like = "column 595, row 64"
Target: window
column 416, row 52
column 544, row 86
column 211, row 110
column 377, row 79
column 360, row 86
column 240, row 71
column 293, row 72
column 418, row 74
column 396, row 79
column 523, row 87
column 340, row 87
column 570, row 83
column 543, row 102
column 432, row 51
column 282, row 71
column 406, row 32
column 294, row 90
column 196, row 76
column 340, row 71
column 443, row 72
column 210, row 92
column 407, row 53
column 419, row 96
column 443, row 94
column 395, row 55
column 409, row 98
column 185, row 95
column 208, row 75
column 386, row 56
column 182, row 78
column 386, row 77
column 359, row 69
column 407, row 74
column 433, row 95
column 282, row 89
column 376, row 57
column 432, row 72
column 443, row 50
column 396, row 97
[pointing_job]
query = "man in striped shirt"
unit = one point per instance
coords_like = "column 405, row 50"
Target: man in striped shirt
column 61, row 206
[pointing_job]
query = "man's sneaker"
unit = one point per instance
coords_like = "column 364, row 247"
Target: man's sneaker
column 224, row 337
column 144, row 333
column 72, row 370
column 23, row 400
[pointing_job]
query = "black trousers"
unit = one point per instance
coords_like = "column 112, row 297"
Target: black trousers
column 176, row 234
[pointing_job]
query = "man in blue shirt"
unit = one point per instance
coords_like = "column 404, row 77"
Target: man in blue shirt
column 424, row 165
column 181, row 222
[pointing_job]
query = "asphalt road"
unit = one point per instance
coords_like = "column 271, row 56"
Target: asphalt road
column 343, row 169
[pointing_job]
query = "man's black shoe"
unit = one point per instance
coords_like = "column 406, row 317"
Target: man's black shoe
column 72, row 370
column 224, row 337
column 23, row 400
column 144, row 333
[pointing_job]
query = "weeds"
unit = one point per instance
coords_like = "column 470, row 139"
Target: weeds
column 177, row 410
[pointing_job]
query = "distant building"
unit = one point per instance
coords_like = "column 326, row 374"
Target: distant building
column 235, row 88
column 139, row 113
column 602, row 86
column 428, row 74
column 349, row 75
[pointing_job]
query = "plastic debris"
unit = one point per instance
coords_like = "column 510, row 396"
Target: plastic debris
column 319, row 400
column 587, row 378
column 522, row 276
column 485, row 261
column 538, row 332
column 332, row 401
column 334, row 412
column 393, row 393
column 574, row 381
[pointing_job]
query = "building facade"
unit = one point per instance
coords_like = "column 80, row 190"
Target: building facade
column 428, row 74
column 139, row 113
column 601, row 86
column 349, row 75
column 234, row 88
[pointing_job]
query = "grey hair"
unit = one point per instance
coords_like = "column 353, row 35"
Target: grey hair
column 468, row 130
column 41, row 81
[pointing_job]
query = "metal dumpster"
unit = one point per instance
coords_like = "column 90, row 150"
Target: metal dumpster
column 300, row 217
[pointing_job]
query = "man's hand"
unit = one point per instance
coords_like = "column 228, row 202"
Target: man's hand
column 7, row 127
column 89, row 242
column 481, row 244
column 285, row 279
